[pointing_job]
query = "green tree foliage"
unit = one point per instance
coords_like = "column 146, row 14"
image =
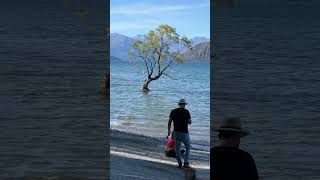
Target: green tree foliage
column 157, row 53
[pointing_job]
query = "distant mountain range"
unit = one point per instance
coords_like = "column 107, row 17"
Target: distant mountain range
column 121, row 44
column 200, row 52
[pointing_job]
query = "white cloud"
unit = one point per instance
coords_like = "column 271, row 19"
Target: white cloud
column 144, row 9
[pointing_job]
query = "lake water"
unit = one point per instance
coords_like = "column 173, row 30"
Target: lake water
column 52, row 114
column 133, row 111
column 266, row 69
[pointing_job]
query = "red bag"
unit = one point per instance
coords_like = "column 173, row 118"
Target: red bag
column 171, row 147
column 170, row 144
column 170, row 151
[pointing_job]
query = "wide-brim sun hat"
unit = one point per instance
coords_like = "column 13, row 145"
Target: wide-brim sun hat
column 182, row 101
column 232, row 124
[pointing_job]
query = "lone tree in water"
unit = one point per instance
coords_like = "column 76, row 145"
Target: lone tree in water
column 159, row 51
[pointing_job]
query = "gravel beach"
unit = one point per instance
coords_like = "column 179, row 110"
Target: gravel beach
column 140, row 157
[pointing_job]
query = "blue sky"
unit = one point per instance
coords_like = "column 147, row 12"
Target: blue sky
column 132, row 17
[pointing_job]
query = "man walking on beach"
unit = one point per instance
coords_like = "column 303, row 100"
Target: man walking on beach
column 227, row 161
column 181, row 118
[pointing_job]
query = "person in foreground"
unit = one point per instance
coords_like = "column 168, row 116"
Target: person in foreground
column 227, row 161
column 181, row 118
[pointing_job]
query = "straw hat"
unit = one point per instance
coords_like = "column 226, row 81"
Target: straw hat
column 182, row 101
column 232, row 124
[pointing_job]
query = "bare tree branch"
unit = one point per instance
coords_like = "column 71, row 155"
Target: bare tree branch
column 167, row 66
column 146, row 63
column 169, row 76
column 159, row 54
column 172, row 60
column 154, row 62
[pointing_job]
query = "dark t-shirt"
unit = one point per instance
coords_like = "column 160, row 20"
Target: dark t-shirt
column 180, row 117
column 228, row 163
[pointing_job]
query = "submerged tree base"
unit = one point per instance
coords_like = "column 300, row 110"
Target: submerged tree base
column 145, row 89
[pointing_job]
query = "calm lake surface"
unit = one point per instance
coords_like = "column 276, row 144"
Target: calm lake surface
column 133, row 111
column 267, row 71
column 52, row 114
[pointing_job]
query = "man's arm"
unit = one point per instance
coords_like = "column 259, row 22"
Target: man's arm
column 189, row 118
column 169, row 125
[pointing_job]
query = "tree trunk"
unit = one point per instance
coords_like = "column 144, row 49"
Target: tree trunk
column 145, row 87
